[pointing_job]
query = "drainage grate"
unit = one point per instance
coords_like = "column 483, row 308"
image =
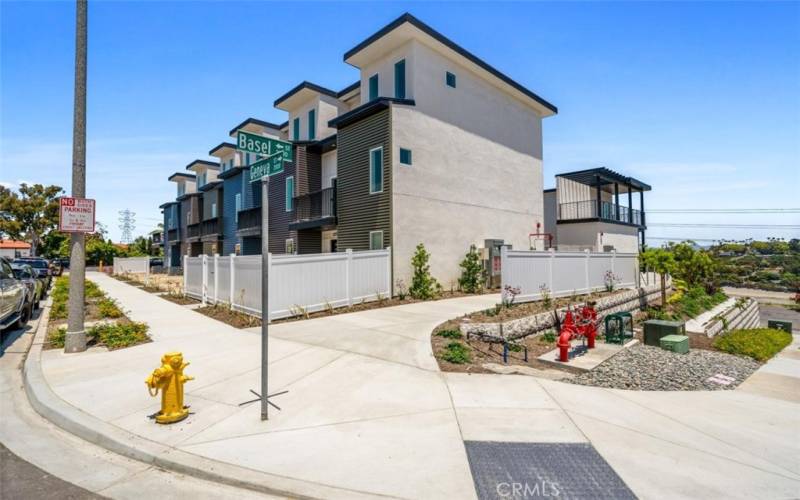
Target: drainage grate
column 542, row 470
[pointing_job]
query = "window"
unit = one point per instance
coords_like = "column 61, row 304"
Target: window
column 201, row 179
column 376, row 240
column 312, row 124
column 405, row 156
column 237, row 203
column 376, row 170
column 289, row 193
column 450, row 79
column 296, row 129
column 290, row 245
column 188, row 217
column 213, row 209
column 181, row 189
column 400, row 79
column 373, row 87
column 247, row 158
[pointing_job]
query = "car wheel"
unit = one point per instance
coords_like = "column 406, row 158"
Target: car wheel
column 24, row 316
column 36, row 305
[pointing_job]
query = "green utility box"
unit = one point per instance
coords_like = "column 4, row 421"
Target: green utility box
column 618, row 327
column 786, row 326
column 654, row 329
column 675, row 343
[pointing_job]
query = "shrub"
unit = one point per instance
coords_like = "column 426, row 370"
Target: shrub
column 449, row 334
column 456, row 353
column 400, row 289
column 758, row 343
column 423, row 285
column 472, row 273
column 544, row 291
column 548, row 337
column 107, row 308
column 118, row 335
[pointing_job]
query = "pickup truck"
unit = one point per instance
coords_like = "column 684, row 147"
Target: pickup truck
column 15, row 311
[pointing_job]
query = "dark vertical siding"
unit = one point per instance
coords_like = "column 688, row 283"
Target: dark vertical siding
column 230, row 188
column 358, row 211
column 279, row 218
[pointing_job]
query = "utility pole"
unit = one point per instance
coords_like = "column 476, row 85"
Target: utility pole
column 76, row 335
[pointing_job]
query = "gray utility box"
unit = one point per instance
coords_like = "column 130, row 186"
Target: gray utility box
column 655, row 329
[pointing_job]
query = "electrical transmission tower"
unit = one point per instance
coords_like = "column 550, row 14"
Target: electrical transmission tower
column 127, row 223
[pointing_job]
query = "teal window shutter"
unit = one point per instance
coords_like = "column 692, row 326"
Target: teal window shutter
column 400, row 79
column 373, row 87
column 450, row 79
column 312, row 125
column 405, row 156
column 296, row 129
column 376, row 170
column 289, row 193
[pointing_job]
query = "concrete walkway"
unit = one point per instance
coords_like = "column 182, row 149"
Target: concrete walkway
column 368, row 414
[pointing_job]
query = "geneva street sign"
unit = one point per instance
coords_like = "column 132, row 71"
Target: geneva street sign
column 261, row 145
column 266, row 167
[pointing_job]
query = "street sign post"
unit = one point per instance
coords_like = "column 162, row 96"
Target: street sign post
column 266, row 146
column 277, row 152
column 76, row 215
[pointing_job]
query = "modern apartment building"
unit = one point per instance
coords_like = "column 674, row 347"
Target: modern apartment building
column 431, row 145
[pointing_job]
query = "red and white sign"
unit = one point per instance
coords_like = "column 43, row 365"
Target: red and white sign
column 76, row 215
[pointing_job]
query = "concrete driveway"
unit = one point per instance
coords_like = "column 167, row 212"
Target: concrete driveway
column 369, row 414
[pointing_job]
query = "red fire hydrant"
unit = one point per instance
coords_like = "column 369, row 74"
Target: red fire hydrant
column 587, row 324
column 567, row 332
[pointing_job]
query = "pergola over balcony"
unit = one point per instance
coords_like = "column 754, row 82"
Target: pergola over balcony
column 597, row 197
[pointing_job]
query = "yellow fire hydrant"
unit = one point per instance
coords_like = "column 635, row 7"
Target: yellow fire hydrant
column 169, row 379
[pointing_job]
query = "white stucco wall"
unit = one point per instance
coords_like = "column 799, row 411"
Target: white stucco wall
column 460, row 189
column 595, row 235
column 384, row 68
column 327, row 108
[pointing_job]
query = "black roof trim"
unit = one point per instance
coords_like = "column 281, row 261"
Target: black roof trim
column 284, row 124
column 551, row 190
column 301, row 86
column 324, row 145
column 203, row 162
column 181, row 174
column 208, row 186
column 349, row 88
column 254, row 121
column 220, row 146
column 408, row 18
column 590, row 177
column 165, row 205
column 231, row 172
column 188, row 195
column 366, row 110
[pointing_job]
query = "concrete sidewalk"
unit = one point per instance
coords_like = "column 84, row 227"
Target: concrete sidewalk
column 368, row 414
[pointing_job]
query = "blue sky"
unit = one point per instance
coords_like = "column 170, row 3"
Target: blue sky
column 701, row 100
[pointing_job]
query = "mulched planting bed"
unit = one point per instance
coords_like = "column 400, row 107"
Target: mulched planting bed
column 647, row 368
column 179, row 299
column 480, row 352
column 227, row 315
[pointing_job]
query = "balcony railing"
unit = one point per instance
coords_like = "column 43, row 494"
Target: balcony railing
column 194, row 230
column 316, row 206
column 588, row 209
column 249, row 221
column 211, row 227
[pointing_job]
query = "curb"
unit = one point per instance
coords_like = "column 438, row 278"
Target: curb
column 91, row 429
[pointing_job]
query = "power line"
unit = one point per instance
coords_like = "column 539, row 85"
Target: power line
column 724, row 210
column 127, row 223
column 727, row 226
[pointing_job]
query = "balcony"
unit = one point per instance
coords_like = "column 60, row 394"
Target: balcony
column 609, row 212
column 315, row 209
column 173, row 235
column 249, row 222
column 194, row 231
column 211, row 229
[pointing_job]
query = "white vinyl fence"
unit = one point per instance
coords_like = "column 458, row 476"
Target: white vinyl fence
column 297, row 283
column 132, row 265
column 565, row 273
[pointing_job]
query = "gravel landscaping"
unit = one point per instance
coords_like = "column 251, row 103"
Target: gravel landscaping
column 647, row 368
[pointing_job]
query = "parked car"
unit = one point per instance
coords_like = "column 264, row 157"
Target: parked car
column 63, row 262
column 55, row 267
column 14, row 309
column 34, row 285
column 41, row 266
column 156, row 261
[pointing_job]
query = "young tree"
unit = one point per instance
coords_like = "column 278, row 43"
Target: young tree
column 31, row 214
column 472, row 274
column 661, row 261
column 423, row 285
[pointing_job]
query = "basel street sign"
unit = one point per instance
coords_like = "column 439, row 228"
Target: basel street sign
column 266, row 167
column 253, row 143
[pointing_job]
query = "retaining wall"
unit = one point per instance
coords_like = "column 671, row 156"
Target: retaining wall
column 625, row 301
column 740, row 315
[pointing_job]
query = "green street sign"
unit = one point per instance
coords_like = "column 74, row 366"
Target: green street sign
column 266, row 167
column 261, row 145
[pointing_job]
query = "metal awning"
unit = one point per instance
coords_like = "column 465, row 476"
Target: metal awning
column 603, row 176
